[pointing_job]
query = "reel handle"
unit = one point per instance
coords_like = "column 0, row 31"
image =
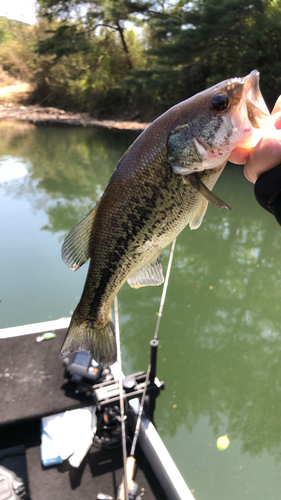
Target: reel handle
column 130, row 466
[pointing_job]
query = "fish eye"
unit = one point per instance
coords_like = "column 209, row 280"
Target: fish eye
column 219, row 102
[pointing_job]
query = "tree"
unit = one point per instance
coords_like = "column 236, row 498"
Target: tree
column 99, row 14
column 195, row 45
column 96, row 35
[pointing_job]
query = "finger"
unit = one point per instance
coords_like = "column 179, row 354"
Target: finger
column 276, row 113
column 265, row 156
column 277, row 120
column 277, row 106
column 239, row 156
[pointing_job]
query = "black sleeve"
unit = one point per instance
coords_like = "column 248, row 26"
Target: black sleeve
column 268, row 192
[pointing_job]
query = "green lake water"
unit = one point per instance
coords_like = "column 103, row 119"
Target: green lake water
column 220, row 333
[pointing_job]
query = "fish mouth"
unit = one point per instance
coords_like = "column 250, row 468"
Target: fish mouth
column 251, row 116
column 258, row 112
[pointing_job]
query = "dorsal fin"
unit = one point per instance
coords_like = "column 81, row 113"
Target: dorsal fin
column 197, row 218
column 150, row 275
column 76, row 246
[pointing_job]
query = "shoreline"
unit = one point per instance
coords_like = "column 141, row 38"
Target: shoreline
column 39, row 115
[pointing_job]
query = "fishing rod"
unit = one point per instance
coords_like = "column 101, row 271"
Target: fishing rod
column 131, row 461
column 121, row 393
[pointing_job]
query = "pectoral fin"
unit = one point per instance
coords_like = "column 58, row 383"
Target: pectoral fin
column 197, row 218
column 211, row 197
column 76, row 246
column 150, row 275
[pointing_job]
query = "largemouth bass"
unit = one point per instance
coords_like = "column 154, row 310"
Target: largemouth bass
column 162, row 183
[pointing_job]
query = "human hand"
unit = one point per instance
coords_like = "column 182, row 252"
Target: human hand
column 262, row 165
column 267, row 153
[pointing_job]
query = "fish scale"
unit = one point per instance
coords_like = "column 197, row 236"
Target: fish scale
column 161, row 184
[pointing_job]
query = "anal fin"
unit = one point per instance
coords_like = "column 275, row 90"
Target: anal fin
column 150, row 275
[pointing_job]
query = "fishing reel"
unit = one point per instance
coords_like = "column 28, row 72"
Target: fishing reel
column 108, row 434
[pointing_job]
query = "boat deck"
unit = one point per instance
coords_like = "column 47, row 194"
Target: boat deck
column 32, row 386
column 100, row 471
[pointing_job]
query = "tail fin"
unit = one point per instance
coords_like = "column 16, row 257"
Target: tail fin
column 100, row 342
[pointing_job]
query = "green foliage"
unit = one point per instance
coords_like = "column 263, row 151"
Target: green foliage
column 15, row 53
column 87, row 56
column 4, row 29
column 65, row 40
column 10, row 29
column 89, row 53
column 90, row 78
column 196, row 45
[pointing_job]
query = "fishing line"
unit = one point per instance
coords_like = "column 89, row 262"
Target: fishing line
column 129, row 464
column 163, row 297
column 122, row 412
column 137, row 429
column 165, row 288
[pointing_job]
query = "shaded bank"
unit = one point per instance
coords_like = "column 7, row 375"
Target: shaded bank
column 41, row 115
